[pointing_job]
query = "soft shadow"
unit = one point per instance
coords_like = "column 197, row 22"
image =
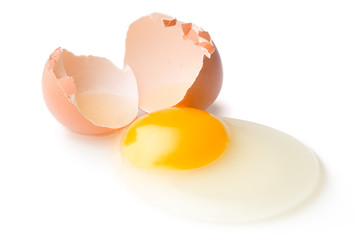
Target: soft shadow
column 104, row 142
column 141, row 113
column 89, row 138
column 218, row 109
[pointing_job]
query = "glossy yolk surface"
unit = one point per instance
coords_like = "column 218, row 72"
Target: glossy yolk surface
column 175, row 138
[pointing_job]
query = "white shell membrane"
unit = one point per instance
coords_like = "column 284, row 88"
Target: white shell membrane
column 263, row 173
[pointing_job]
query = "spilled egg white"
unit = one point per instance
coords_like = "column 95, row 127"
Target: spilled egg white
column 263, row 173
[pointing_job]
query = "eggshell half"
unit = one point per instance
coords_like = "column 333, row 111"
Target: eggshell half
column 175, row 63
column 87, row 94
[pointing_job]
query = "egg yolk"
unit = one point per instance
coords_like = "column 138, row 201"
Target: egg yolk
column 175, row 138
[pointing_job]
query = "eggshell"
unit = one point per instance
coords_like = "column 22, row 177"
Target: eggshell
column 61, row 92
column 207, row 85
column 175, row 63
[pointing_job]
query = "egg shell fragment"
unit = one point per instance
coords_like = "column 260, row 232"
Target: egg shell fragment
column 175, row 63
column 87, row 94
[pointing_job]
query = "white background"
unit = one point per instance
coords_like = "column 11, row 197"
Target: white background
column 291, row 65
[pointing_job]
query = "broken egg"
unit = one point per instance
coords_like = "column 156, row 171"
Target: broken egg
column 167, row 63
column 175, row 63
column 179, row 157
column 251, row 173
column 88, row 94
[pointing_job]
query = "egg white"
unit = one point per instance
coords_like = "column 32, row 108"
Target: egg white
column 264, row 172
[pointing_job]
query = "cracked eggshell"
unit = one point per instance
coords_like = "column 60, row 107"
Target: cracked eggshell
column 175, row 63
column 87, row 94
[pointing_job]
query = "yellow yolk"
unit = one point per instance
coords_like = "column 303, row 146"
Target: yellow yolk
column 175, row 138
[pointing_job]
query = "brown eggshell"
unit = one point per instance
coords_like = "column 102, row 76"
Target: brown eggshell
column 59, row 104
column 59, row 91
column 175, row 63
column 207, row 85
